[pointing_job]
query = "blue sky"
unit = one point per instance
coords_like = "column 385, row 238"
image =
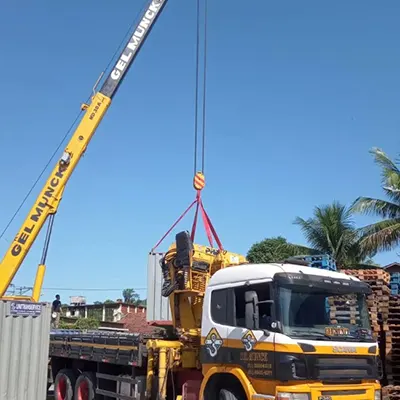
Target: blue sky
column 298, row 92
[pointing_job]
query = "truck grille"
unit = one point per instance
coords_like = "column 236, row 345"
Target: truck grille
column 340, row 368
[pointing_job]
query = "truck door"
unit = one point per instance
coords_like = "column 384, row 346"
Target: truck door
column 230, row 339
column 250, row 337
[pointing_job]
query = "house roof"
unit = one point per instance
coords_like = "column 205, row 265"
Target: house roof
column 394, row 264
column 137, row 323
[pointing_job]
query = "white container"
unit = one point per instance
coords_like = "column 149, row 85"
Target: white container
column 158, row 308
column 24, row 350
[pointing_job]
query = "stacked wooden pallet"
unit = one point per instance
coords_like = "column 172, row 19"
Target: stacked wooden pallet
column 384, row 310
column 392, row 351
column 393, row 342
column 343, row 310
column 391, row 392
column 378, row 301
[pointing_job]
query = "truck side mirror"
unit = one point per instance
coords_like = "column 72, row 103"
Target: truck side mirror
column 251, row 309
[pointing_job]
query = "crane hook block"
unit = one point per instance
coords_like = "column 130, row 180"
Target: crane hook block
column 199, row 181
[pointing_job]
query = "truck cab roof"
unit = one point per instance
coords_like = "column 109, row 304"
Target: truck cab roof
column 257, row 272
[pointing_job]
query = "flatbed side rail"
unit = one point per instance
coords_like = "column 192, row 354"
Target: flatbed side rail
column 137, row 387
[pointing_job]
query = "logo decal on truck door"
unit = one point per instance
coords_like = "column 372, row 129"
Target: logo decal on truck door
column 249, row 340
column 213, row 342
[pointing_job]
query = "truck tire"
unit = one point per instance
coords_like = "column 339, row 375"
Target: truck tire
column 227, row 394
column 85, row 386
column 64, row 385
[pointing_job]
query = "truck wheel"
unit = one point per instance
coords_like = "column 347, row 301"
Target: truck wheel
column 85, row 387
column 226, row 394
column 64, row 385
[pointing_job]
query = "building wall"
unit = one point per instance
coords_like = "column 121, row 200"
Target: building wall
column 104, row 312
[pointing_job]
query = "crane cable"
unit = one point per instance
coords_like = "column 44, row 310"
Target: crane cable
column 198, row 180
column 68, row 131
column 196, row 119
column 204, row 85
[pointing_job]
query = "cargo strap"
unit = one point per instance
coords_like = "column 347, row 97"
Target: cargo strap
column 208, row 226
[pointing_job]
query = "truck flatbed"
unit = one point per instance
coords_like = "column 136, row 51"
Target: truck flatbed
column 106, row 347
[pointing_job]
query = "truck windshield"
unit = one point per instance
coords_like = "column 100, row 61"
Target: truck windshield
column 320, row 313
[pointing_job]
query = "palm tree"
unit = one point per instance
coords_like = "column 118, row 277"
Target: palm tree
column 275, row 249
column 332, row 231
column 130, row 296
column 385, row 234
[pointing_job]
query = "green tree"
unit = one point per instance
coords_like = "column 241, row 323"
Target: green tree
column 141, row 303
column 332, row 231
column 274, row 249
column 87, row 323
column 383, row 235
column 108, row 301
column 80, row 323
column 97, row 302
column 130, row 296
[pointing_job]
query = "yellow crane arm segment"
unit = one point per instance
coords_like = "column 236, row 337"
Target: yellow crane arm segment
column 50, row 196
column 47, row 202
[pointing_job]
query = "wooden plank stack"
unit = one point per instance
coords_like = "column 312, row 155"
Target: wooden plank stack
column 384, row 310
column 378, row 306
column 393, row 342
column 392, row 351
column 343, row 310
column 391, row 392
column 378, row 301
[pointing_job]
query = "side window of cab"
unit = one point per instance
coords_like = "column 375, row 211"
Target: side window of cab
column 228, row 306
column 264, row 292
column 222, row 306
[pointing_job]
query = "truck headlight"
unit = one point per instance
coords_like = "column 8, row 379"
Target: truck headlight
column 295, row 396
column 377, row 395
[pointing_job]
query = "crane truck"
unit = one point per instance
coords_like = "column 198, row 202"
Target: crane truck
column 241, row 331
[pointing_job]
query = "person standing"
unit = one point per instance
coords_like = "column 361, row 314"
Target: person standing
column 55, row 312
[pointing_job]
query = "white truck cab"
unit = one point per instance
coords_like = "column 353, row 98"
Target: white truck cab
column 290, row 331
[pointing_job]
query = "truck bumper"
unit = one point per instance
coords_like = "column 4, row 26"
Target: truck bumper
column 319, row 391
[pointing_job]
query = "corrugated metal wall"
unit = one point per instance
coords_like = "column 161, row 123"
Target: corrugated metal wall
column 24, row 350
column 158, row 308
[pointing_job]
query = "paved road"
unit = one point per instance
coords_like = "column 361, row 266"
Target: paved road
column 50, row 394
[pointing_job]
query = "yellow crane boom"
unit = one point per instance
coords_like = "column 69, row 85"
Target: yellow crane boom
column 46, row 204
column 187, row 269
